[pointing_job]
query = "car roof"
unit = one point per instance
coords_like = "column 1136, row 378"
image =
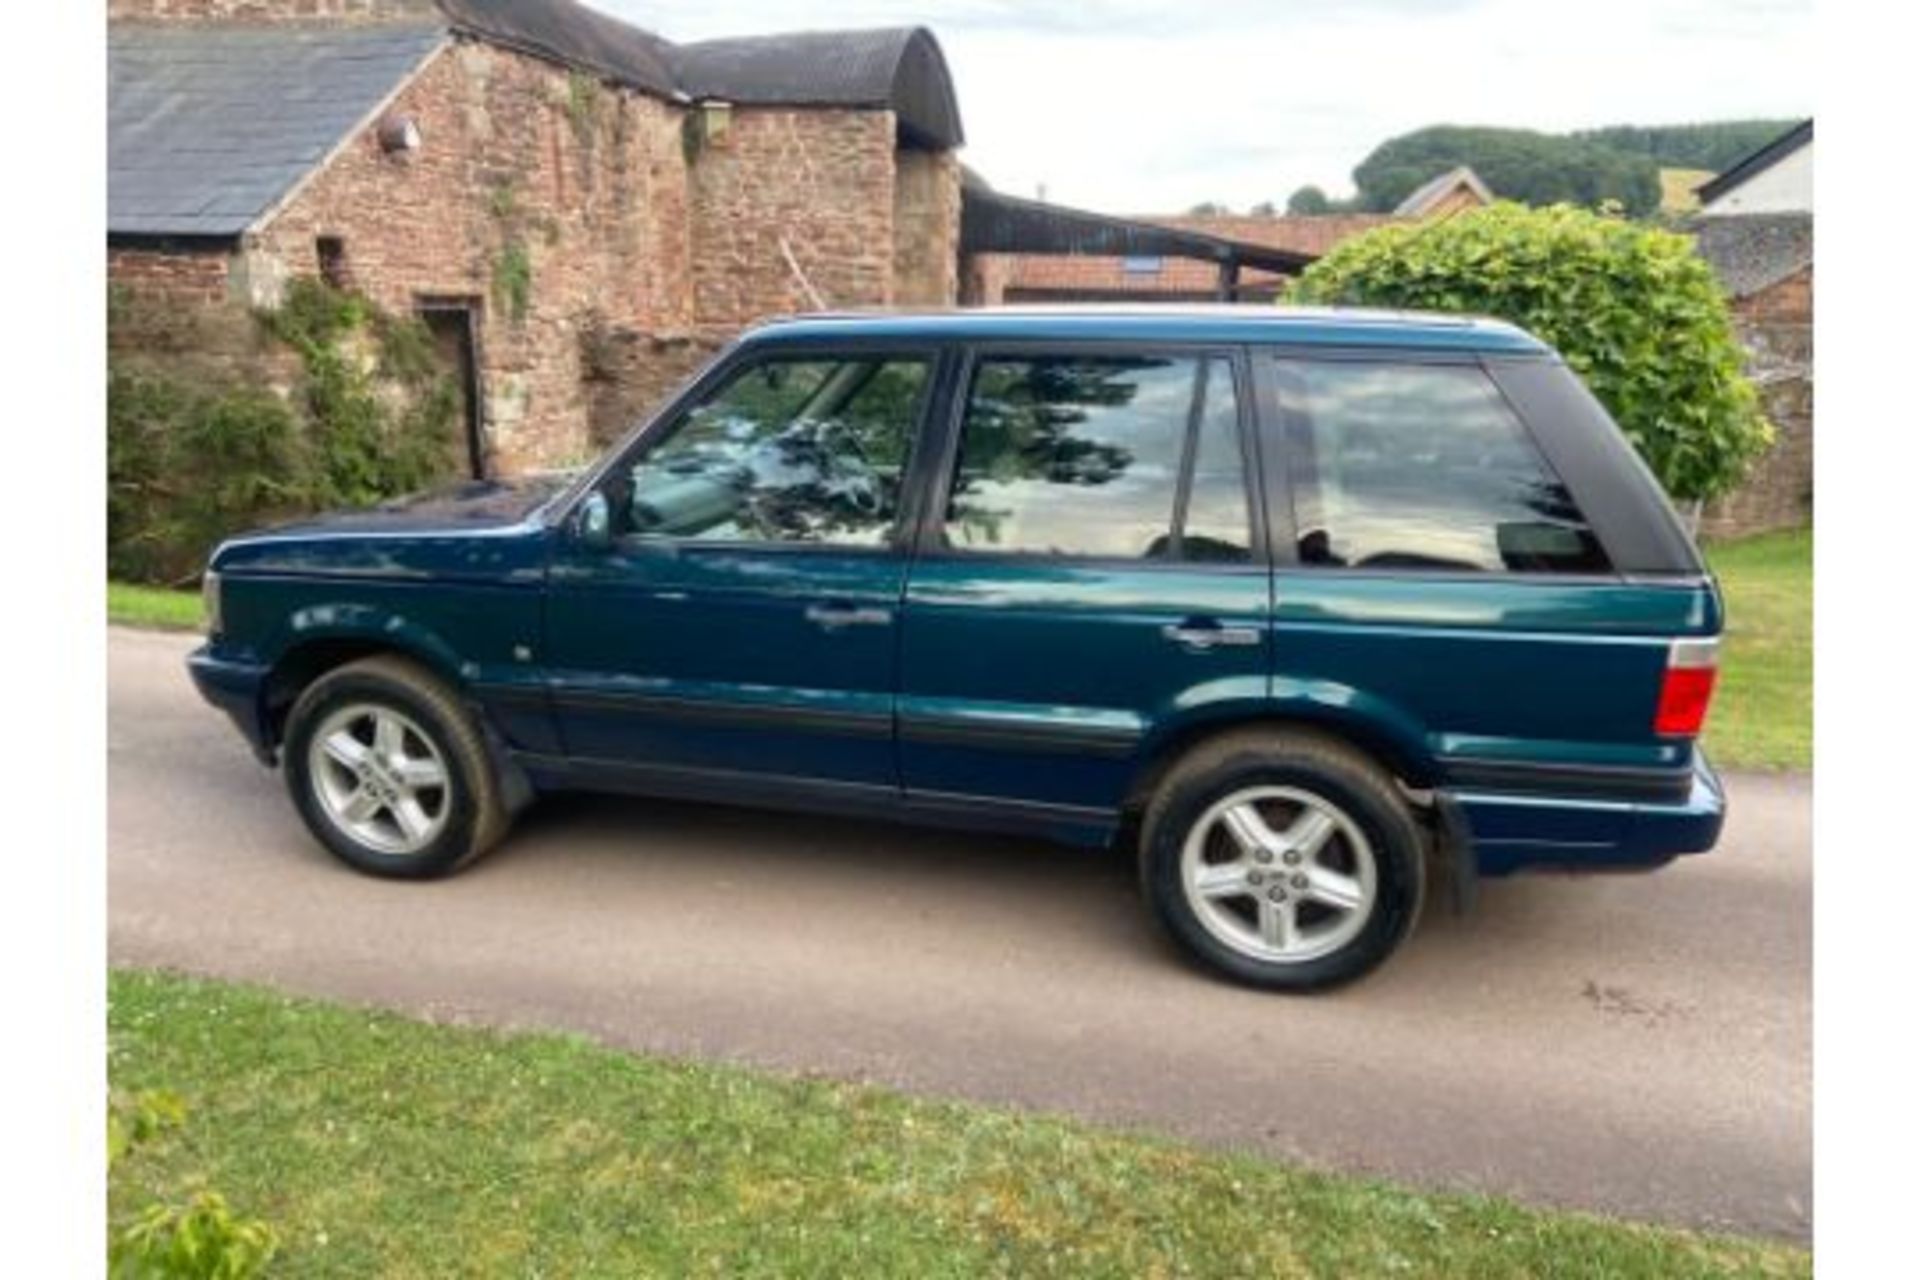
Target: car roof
column 1224, row 322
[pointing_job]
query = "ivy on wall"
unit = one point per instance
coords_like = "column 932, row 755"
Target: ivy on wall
column 197, row 453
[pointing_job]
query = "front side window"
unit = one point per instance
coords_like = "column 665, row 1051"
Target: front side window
column 788, row 450
column 1123, row 457
column 1407, row 466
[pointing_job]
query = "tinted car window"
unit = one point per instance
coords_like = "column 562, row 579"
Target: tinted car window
column 1086, row 456
column 786, row 451
column 1408, row 466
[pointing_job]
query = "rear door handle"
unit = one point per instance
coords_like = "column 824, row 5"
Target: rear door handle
column 1201, row 634
column 835, row 616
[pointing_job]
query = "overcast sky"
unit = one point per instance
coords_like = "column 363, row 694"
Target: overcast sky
column 1149, row 106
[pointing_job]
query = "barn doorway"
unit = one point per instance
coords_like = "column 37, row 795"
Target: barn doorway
column 455, row 326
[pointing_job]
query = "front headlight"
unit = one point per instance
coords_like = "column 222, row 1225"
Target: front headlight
column 210, row 601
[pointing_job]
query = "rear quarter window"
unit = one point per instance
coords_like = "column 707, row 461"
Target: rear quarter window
column 1423, row 467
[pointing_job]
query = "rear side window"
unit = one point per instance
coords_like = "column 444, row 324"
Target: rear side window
column 1119, row 457
column 1408, row 466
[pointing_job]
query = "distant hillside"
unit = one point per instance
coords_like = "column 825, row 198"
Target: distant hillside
column 1519, row 164
column 1620, row 163
column 1711, row 146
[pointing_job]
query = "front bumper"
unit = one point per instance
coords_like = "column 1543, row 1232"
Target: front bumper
column 1508, row 832
column 234, row 687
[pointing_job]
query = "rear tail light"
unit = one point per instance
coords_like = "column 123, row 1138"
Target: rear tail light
column 1686, row 688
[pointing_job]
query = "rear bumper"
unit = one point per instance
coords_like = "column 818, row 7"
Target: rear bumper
column 234, row 687
column 1508, row 832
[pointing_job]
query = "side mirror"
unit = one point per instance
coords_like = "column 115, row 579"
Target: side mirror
column 593, row 522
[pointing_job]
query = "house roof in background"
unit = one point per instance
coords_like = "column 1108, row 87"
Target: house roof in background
column 1758, row 161
column 994, row 223
column 1306, row 236
column 1750, row 251
column 209, row 126
column 1429, row 193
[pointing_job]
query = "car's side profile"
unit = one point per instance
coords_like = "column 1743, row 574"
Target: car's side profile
column 1312, row 606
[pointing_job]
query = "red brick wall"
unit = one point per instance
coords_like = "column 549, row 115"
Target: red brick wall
column 1776, row 327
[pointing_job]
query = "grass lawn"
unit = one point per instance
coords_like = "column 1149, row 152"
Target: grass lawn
column 1762, row 716
column 136, row 606
column 378, row 1145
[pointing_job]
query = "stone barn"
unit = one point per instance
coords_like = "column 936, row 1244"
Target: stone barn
column 579, row 209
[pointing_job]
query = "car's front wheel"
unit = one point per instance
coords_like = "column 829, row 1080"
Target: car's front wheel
column 390, row 772
column 1283, row 858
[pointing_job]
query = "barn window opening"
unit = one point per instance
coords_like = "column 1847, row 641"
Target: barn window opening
column 332, row 252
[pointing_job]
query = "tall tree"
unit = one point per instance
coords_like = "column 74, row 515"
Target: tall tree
column 1715, row 146
column 1309, row 200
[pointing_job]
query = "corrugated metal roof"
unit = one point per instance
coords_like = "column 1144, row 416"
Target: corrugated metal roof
column 209, row 126
column 994, row 223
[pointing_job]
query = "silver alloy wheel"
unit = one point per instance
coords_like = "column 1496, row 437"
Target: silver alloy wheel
column 379, row 778
column 1279, row 874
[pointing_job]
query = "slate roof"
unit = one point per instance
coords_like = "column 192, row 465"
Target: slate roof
column 1749, row 251
column 209, row 126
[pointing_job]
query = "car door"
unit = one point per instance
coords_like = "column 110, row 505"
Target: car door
column 1091, row 574
column 740, row 622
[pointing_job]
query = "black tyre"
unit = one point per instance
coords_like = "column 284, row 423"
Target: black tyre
column 1284, row 859
column 390, row 772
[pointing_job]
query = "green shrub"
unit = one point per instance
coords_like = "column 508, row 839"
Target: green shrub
column 190, row 463
column 196, row 454
column 1634, row 310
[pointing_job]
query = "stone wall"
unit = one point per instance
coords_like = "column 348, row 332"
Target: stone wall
column 926, row 228
column 547, row 200
column 1776, row 328
column 821, row 181
column 606, row 250
column 177, row 276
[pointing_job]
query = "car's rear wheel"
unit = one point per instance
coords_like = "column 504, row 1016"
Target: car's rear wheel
column 1283, row 858
column 390, row 772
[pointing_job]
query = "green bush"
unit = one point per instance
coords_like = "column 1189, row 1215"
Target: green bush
column 190, row 463
column 1634, row 310
column 195, row 454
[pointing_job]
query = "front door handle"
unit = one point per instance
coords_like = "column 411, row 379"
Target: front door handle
column 1203, row 634
column 835, row 616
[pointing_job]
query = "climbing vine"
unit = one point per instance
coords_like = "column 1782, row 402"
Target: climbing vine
column 196, row 454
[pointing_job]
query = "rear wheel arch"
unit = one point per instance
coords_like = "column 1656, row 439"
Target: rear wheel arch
column 1380, row 747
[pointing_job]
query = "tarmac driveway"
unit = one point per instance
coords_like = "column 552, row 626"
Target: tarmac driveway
column 1639, row 1045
